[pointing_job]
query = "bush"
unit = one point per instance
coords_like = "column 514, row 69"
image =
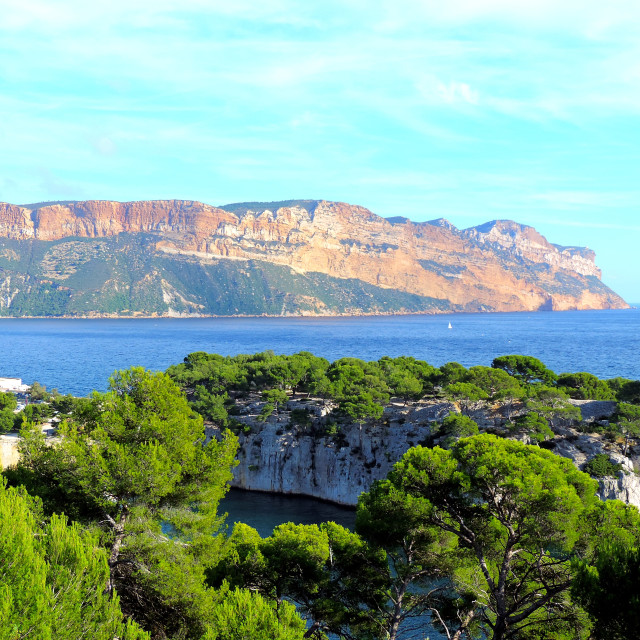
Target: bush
column 601, row 466
column 8, row 401
column 331, row 429
column 6, row 420
column 456, row 426
column 585, row 386
column 535, row 426
column 267, row 412
column 301, row 417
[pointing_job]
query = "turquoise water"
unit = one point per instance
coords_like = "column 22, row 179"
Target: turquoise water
column 77, row 356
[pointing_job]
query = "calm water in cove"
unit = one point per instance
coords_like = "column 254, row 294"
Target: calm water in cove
column 264, row 511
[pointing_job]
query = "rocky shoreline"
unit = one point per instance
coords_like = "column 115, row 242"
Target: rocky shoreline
column 337, row 464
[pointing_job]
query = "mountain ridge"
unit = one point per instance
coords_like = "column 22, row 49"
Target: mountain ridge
column 303, row 251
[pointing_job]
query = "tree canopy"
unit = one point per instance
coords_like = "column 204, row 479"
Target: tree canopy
column 135, row 464
column 526, row 369
column 53, row 577
column 515, row 515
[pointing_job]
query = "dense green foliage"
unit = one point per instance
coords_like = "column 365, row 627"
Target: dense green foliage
column 485, row 538
column 515, row 514
column 601, row 466
column 456, row 426
column 492, row 539
column 535, row 426
column 609, row 589
column 585, row 386
column 525, row 392
column 8, row 401
column 53, row 577
column 132, row 464
column 360, row 389
column 526, row 369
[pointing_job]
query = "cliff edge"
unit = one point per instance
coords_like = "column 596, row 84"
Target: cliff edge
column 178, row 257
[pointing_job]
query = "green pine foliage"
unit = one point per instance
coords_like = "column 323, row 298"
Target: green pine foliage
column 609, row 590
column 490, row 540
column 487, row 538
column 52, row 583
column 601, row 466
column 133, row 466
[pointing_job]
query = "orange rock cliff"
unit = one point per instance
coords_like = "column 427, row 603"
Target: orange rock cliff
column 498, row 266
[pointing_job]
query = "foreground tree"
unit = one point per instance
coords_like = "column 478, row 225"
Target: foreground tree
column 342, row 584
column 135, row 463
column 239, row 614
column 552, row 403
column 480, row 540
column 628, row 423
column 606, row 583
column 534, row 426
column 516, row 514
column 52, row 578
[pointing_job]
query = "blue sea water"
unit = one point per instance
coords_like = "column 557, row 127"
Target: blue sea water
column 77, row 356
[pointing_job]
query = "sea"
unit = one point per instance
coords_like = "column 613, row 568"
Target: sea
column 78, row 355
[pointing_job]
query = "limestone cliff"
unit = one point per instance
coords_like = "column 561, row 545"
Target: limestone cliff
column 312, row 257
column 277, row 457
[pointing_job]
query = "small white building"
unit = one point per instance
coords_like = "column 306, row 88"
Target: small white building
column 13, row 384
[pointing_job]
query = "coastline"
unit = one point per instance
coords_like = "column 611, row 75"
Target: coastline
column 387, row 314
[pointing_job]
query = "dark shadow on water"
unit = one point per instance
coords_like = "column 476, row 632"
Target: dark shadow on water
column 264, row 511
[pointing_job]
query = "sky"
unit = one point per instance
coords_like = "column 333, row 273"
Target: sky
column 471, row 110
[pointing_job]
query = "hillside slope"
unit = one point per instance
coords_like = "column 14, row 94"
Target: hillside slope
column 179, row 257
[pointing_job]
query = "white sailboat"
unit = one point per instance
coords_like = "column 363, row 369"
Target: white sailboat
column 450, row 327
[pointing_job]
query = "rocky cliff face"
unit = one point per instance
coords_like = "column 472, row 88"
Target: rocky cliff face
column 277, row 458
column 499, row 266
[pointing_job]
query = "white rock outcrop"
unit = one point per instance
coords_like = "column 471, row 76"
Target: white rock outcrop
column 277, row 458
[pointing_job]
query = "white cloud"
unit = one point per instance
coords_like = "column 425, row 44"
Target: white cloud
column 458, row 92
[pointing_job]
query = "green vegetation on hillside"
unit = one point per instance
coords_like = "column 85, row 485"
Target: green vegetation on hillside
column 522, row 389
column 112, row 529
column 126, row 275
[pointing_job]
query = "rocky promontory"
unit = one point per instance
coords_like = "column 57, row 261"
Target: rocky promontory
column 309, row 257
column 338, row 465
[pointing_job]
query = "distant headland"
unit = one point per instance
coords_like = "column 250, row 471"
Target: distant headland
column 178, row 258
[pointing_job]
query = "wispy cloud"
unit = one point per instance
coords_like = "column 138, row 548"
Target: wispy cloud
column 588, row 199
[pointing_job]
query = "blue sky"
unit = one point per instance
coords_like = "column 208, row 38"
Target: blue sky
column 470, row 110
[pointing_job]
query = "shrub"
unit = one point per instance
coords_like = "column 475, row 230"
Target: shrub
column 535, row 426
column 601, row 466
column 456, row 426
column 301, row 417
